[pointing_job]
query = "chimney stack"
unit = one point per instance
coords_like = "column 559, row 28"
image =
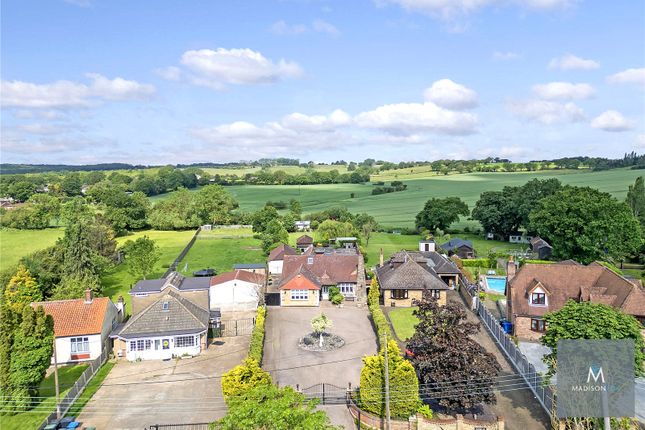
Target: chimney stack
column 89, row 296
column 380, row 259
column 511, row 268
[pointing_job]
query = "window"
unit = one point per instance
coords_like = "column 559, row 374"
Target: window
column 299, row 294
column 165, row 306
column 184, row 341
column 538, row 325
column 538, row 299
column 139, row 345
column 399, row 294
column 310, row 260
column 346, row 288
column 148, row 344
column 80, row 344
column 435, row 294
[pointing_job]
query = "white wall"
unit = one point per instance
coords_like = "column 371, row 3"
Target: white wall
column 64, row 348
column 275, row 267
column 161, row 354
column 235, row 295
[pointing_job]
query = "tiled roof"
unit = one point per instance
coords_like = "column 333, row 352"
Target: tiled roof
column 305, row 239
column 455, row 243
column 279, row 252
column 594, row 283
column 302, row 280
column 242, row 275
column 175, row 280
column 249, row 266
column 328, row 269
column 410, row 275
column 182, row 316
column 432, row 261
column 75, row 317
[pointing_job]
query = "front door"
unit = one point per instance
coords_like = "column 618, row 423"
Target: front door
column 166, row 352
column 157, row 344
column 325, row 292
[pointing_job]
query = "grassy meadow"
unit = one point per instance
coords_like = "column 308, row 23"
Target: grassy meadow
column 15, row 244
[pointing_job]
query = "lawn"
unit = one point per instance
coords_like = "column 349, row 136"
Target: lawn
column 67, row 376
column 90, row 389
column 15, row 244
column 403, row 322
column 117, row 282
column 222, row 248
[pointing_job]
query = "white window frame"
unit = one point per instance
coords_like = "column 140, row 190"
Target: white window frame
column 535, row 295
column 435, row 294
column 79, row 345
column 300, row 295
column 346, row 289
column 185, row 341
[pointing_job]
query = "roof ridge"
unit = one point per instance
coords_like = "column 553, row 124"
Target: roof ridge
column 181, row 300
column 69, row 300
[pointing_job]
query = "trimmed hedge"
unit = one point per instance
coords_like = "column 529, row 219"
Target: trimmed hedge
column 536, row 262
column 378, row 317
column 256, row 349
column 244, row 377
column 479, row 262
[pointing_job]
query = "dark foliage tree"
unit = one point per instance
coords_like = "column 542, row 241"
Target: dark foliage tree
column 636, row 200
column 440, row 213
column 496, row 212
column 444, row 353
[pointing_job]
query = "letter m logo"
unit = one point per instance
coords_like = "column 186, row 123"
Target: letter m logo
column 595, row 373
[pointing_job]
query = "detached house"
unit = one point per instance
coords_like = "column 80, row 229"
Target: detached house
column 315, row 271
column 407, row 275
column 82, row 326
column 304, row 242
column 536, row 289
column 459, row 247
column 276, row 258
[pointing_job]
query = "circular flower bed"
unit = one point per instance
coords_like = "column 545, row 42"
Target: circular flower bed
column 311, row 342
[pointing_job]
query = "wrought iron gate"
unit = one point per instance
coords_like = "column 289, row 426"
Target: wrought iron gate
column 328, row 394
column 226, row 328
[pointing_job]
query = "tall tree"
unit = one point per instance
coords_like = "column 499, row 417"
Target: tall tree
column 444, row 353
column 331, row 229
column 440, row 213
column 21, row 290
column 273, row 235
column 496, row 212
column 263, row 217
column 212, row 204
column 365, row 224
column 8, row 323
column 140, row 256
column 585, row 224
column 636, row 200
column 295, row 208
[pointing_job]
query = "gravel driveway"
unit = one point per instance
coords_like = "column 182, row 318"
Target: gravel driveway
column 136, row 395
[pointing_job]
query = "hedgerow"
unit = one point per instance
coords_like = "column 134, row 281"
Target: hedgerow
column 256, row 348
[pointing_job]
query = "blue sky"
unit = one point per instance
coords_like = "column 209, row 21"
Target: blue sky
column 157, row 82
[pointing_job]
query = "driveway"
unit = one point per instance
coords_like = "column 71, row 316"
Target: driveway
column 137, row 394
column 290, row 365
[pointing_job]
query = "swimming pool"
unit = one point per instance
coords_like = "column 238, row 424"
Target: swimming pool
column 496, row 284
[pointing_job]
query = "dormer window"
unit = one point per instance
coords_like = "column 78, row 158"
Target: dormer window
column 310, row 260
column 538, row 299
column 165, row 306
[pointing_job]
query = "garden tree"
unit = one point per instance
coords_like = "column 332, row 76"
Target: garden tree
column 529, row 194
column 263, row 217
column 174, row 212
column 212, row 204
column 31, row 355
column 74, row 286
column 273, row 235
column 21, row 290
column 289, row 222
column 8, row 324
column 102, row 239
column 140, row 256
column 365, row 224
column 295, row 208
column 443, row 353
column 76, row 210
column 78, row 255
column 495, row 211
column 404, row 385
column 585, row 225
column 127, row 211
column 636, row 200
column 441, row 213
column 244, row 377
column 270, row 407
column 319, row 325
column 331, row 229
column 586, row 320
column 71, row 184
column 46, row 265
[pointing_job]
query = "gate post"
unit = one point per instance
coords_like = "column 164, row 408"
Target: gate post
column 235, row 327
column 323, row 394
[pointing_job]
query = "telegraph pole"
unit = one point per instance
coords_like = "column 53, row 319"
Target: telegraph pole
column 56, row 382
column 387, row 387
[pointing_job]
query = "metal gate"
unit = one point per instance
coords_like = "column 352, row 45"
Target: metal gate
column 328, row 394
column 227, row 328
column 194, row 426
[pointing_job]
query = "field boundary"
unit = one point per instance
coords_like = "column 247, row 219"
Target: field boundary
column 182, row 254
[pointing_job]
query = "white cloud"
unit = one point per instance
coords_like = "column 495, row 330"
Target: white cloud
column 505, row 56
column 548, row 112
column 611, row 120
column 629, row 76
column 298, row 121
column 217, row 68
column 170, row 73
column 319, row 26
column 563, row 91
column 39, row 128
column 451, row 95
column 68, row 94
column 571, row 62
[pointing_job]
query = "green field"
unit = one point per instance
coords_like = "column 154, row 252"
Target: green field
column 291, row 170
column 67, row 376
column 403, row 322
column 399, row 209
column 15, row 244
column 220, row 249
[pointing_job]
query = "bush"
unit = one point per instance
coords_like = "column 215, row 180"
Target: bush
column 425, row 411
column 378, row 317
column 244, row 377
column 257, row 336
column 480, row 262
column 337, row 299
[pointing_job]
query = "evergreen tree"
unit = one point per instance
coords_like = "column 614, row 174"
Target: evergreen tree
column 21, row 290
column 636, row 200
column 8, row 323
column 78, row 254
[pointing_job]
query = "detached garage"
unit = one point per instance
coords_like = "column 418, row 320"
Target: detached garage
column 238, row 290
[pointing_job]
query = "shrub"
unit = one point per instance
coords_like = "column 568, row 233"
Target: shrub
column 243, row 378
column 404, row 385
column 257, row 336
column 425, row 411
column 480, row 262
column 378, row 317
column 333, row 290
column 337, row 299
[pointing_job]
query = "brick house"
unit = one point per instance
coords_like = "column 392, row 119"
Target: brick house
column 407, row 275
column 536, row 289
column 148, row 291
column 300, row 289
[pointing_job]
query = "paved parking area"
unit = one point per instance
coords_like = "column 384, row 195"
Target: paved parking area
column 136, row 395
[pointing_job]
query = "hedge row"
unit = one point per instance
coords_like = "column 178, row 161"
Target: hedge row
column 378, row 317
column 479, row 262
column 257, row 336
